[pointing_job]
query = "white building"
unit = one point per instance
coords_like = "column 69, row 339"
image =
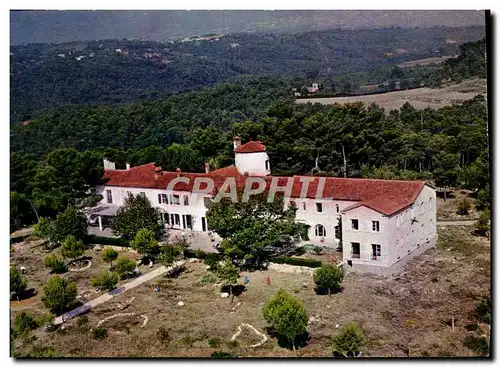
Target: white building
column 382, row 221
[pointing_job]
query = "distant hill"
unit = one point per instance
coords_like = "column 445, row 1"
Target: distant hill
column 117, row 71
column 65, row 26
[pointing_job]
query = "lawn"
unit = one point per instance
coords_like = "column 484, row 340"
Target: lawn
column 408, row 314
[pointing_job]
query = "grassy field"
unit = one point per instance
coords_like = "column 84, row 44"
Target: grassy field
column 420, row 98
column 426, row 62
column 407, row 314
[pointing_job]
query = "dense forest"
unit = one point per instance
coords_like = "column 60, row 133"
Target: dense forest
column 44, row 76
column 56, row 159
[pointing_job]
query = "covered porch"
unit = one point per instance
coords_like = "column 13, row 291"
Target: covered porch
column 100, row 216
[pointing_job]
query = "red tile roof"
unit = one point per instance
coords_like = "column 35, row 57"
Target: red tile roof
column 251, row 147
column 384, row 196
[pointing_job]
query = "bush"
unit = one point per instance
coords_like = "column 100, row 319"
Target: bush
column 107, row 241
column 163, row 335
column 124, row 267
column 209, row 279
column 18, row 283
column 221, row 355
column 228, row 274
column 60, row 294
column 310, row 263
column 55, row 263
column 318, row 250
column 100, row 333
column 214, row 342
column 483, row 310
column 105, row 280
column 328, row 277
column 72, row 248
column 472, row 327
column 463, row 207
column 212, row 260
column 478, row 344
column 24, row 323
column 82, row 320
column 109, row 254
column 169, row 254
column 144, row 242
column 348, row 340
column 483, row 223
column 286, row 315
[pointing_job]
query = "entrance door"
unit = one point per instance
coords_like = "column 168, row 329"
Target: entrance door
column 203, row 224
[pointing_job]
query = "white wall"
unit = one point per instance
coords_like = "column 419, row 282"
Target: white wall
column 253, row 163
column 366, row 236
column 407, row 236
column 196, row 207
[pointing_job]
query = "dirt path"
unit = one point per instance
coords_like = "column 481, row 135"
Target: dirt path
column 115, row 292
column 457, row 223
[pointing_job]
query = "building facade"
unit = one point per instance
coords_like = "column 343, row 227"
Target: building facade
column 382, row 222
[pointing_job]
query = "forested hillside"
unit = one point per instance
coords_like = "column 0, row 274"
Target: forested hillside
column 44, row 76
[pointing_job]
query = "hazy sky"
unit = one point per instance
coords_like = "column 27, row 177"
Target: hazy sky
column 161, row 25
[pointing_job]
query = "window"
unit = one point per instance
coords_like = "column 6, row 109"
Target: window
column 186, row 200
column 203, row 224
column 337, row 207
column 375, row 226
column 376, row 252
column 320, row 231
column 319, row 207
column 109, row 197
column 166, row 218
column 267, row 164
column 175, row 219
column 162, row 199
column 304, row 206
column 175, row 199
column 355, row 251
column 354, row 224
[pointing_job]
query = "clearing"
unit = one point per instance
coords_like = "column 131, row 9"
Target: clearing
column 420, row 98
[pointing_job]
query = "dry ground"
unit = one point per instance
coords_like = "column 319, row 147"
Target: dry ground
column 420, row 98
column 427, row 61
column 447, row 209
column 401, row 315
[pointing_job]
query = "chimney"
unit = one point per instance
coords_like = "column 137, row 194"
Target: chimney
column 177, row 169
column 207, row 168
column 127, row 166
column 236, row 142
column 108, row 165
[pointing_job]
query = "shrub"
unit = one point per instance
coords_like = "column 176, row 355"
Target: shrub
column 318, row 250
column 72, row 248
column 483, row 310
column 310, row 263
column 24, row 323
column 483, row 223
column 328, row 277
column 472, row 327
column 212, row 260
column 105, row 280
column 100, row 333
column 109, row 255
column 108, row 241
column 221, row 355
column 228, row 274
column 59, row 294
column 144, row 242
column 463, row 207
column 41, row 352
column 348, row 341
column 82, row 320
column 478, row 344
column 18, row 283
column 286, row 315
column 55, row 263
column 214, row 342
column 124, row 267
column 169, row 254
column 209, row 279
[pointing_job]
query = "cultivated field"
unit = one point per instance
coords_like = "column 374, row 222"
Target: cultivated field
column 408, row 314
column 420, row 98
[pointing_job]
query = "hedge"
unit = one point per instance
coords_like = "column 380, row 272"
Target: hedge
column 310, row 263
column 110, row 241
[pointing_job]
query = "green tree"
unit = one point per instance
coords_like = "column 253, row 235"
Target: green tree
column 229, row 274
column 24, row 322
column 256, row 230
column 59, row 294
column 68, row 223
column 55, row 263
column 18, row 283
column 72, row 248
column 124, row 267
column 183, row 157
column 169, row 254
column 136, row 214
column 145, row 242
column 286, row 315
column 109, row 254
column 348, row 341
column 483, row 223
column 105, row 280
column 483, row 309
column 45, row 229
column 328, row 277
